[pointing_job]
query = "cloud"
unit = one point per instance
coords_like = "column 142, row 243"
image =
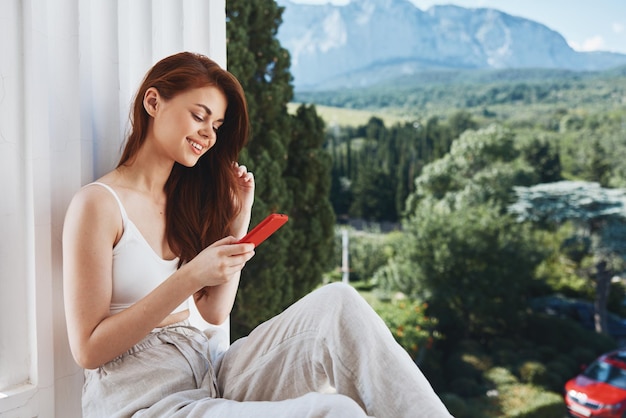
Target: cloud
column 617, row 27
column 595, row 43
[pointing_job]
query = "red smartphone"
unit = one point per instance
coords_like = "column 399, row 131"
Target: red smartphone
column 265, row 228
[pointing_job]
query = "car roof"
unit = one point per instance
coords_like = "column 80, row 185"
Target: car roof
column 616, row 358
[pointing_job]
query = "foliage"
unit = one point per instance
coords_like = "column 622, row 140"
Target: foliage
column 454, row 144
column 474, row 263
column 368, row 250
column 527, row 401
column 456, row 405
column 567, row 125
column 601, row 217
column 411, row 327
column 482, row 166
column 292, row 262
column 374, row 166
column 477, row 265
column 480, row 90
column 311, row 216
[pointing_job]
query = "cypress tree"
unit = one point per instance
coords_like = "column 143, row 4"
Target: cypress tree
column 308, row 177
column 269, row 282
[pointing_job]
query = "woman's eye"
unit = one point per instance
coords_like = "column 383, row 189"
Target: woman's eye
column 197, row 118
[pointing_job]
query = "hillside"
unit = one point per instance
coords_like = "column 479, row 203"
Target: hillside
column 516, row 94
column 369, row 41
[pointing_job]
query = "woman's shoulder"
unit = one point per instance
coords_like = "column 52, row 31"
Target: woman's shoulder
column 95, row 204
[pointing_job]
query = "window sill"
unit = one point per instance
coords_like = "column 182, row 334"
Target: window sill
column 18, row 398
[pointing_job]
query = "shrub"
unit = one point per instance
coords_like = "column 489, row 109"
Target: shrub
column 466, row 387
column 559, row 334
column 409, row 324
column 368, row 251
column 582, row 355
column 563, row 367
column 508, row 358
column 461, row 365
column 500, row 377
column 527, row 401
column 533, row 372
column 456, row 405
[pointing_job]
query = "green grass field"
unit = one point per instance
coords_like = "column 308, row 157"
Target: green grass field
column 350, row 117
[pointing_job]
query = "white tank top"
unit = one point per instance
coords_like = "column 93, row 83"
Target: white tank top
column 137, row 268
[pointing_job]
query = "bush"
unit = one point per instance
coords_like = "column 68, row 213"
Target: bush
column 407, row 321
column 538, row 374
column 500, row 377
column 533, row 372
column 527, row 401
column 456, row 405
column 560, row 333
column 466, row 387
column 564, row 367
column 368, row 251
column 582, row 355
column 467, row 364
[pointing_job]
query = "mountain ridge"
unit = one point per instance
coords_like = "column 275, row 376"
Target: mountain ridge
column 363, row 43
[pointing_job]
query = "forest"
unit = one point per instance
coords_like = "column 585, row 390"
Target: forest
column 452, row 178
column 501, row 189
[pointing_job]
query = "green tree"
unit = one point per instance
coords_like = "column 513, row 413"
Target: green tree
column 261, row 64
column 544, row 158
column 464, row 253
column 482, row 166
column 598, row 166
column 374, row 193
column 475, row 267
column 312, row 216
column 600, row 216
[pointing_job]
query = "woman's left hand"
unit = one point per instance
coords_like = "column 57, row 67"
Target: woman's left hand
column 245, row 183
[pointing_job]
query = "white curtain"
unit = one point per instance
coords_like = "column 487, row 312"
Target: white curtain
column 68, row 71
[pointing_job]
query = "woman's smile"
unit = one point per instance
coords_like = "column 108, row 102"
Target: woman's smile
column 196, row 146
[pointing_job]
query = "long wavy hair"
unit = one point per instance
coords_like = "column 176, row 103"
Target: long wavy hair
column 202, row 200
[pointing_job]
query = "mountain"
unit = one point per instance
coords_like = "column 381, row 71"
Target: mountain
column 369, row 41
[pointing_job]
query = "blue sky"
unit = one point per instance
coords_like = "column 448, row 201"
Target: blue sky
column 587, row 25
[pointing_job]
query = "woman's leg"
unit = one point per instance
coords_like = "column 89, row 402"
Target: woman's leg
column 331, row 337
column 195, row 404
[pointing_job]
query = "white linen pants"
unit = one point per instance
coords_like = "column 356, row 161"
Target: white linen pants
column 330, row 338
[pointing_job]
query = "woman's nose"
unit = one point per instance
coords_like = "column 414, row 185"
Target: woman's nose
column 207, row 133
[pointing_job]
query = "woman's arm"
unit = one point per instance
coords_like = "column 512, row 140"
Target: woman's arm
column 215, row 303
column 92, row 227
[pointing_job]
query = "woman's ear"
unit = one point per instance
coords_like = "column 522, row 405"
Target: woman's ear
column 151, row 100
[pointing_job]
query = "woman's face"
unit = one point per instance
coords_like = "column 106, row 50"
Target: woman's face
column 185, row 127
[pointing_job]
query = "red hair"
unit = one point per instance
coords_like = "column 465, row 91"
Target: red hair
column 202, row 200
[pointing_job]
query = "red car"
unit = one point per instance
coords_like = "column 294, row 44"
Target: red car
column 599, row 391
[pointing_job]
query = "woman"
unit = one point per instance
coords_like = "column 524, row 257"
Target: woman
column 164, row 226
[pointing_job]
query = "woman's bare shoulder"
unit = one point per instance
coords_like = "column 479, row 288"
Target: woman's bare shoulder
column 95, row 206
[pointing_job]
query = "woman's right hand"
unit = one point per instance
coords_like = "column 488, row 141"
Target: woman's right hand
column 220, row 262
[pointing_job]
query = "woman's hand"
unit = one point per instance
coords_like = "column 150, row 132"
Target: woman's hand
column 220, row 262
column 218, row 269
column 245, row 183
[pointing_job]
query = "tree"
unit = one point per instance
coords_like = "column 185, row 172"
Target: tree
column 374, row 192
column 464, row 253
column 601, row 218
column 474, row 266
column 482, row 166
column 312, row 216
column 546, row 161
column 260, row 63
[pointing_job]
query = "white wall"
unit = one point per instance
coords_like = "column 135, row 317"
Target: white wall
column 68, row 70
